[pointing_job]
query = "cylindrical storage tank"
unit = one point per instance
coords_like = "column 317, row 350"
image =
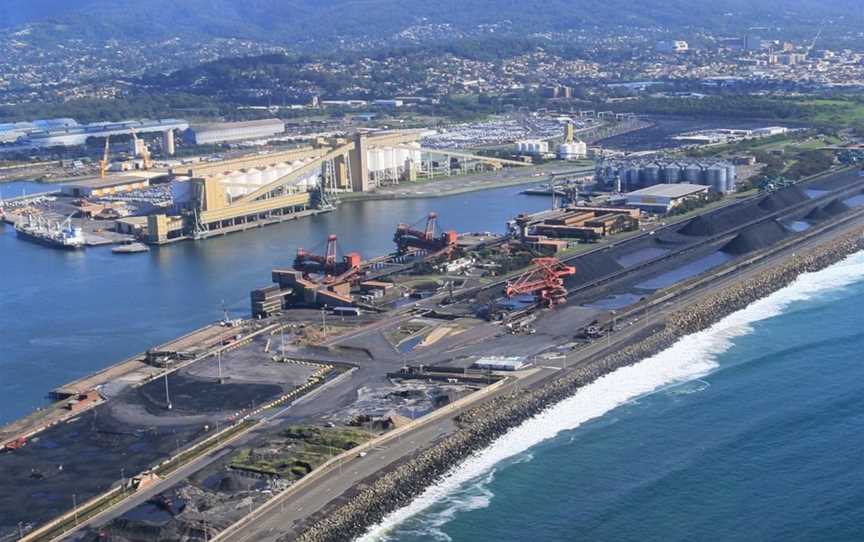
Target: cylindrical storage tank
column 671, row 173
column 235, row 185
column 716, row 178
column 582, row 149
column 693, row 174
column 254, row 177
column 652, row 174
column 269, row 175
column 631, row 178
column 731, row 177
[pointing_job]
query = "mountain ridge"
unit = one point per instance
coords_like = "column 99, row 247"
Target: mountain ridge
column 286, row 21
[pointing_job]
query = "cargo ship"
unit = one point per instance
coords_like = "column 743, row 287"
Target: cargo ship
column 62, row 235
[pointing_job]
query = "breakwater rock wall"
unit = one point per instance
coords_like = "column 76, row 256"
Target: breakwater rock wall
column 482, row 425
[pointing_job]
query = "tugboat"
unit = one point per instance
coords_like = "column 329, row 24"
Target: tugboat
column 62, row 235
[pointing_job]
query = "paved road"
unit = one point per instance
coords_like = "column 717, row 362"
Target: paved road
column 285, row 517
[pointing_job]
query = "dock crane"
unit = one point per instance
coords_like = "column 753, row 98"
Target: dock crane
column 103, row 163
column 328, row 265
column 545, row 280
column 407, row 237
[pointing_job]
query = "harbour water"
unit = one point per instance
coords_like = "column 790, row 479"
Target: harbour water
column 751, row 430
column 65, row 315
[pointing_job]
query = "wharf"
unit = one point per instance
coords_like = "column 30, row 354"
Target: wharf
column 135, row 369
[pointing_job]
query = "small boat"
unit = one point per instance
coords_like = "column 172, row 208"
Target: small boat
column 130, row 248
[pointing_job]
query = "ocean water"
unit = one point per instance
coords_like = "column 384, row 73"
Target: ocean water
column 751, row 430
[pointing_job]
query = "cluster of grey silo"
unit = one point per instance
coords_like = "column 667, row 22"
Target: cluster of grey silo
column 626, row 176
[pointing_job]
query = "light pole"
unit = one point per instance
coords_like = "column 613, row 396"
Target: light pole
column 167, row 396
column 219, row 358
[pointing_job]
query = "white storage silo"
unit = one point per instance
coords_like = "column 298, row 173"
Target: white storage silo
column 716, row 178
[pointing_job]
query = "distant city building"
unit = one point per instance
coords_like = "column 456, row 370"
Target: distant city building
column 222, row 132
column 68, row 133
column 672, row 46
column 791, row 59
column 533, row 147
column 769, row 131
column 389, row 103
column 557, row 91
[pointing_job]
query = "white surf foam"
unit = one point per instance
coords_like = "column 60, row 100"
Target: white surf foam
column 690, row 358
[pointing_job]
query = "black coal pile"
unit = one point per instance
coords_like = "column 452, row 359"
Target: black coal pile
column 781, row 199
column 756, row 237
column 836, row 207
column 816, row 215
column 592, row 267
column 721, row 221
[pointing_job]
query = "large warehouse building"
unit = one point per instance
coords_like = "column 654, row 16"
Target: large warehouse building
column 222, row 132
column 661, row 198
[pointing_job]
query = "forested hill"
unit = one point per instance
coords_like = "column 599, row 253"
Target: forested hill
column 285, row 21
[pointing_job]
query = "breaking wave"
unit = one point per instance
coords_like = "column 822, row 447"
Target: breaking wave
column 465, row 488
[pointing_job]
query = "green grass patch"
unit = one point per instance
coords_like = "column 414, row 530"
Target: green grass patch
column 297, row 450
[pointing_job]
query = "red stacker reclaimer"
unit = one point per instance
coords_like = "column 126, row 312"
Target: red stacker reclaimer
column 545, row 280
column 408, row 238
column 328, row 265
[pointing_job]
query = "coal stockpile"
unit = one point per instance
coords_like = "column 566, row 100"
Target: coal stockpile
column 835, row 208
column 721, row 221
column 592, row 267
column 816, row 215
column 190, row 395
column 781, row 199
column 482, row 425
column 756, row 237
column 83, row 457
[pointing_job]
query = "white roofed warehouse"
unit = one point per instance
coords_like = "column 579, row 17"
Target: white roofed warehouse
column 222, row 132
column 661, row 198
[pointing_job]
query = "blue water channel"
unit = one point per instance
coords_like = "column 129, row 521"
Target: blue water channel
column 64, row 315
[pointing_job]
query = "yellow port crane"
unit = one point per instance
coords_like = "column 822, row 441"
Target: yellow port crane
column 103, row 163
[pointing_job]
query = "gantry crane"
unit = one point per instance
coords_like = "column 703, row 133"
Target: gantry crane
column 545, row 280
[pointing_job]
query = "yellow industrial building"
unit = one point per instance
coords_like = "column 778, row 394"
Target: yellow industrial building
column 213, row 198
